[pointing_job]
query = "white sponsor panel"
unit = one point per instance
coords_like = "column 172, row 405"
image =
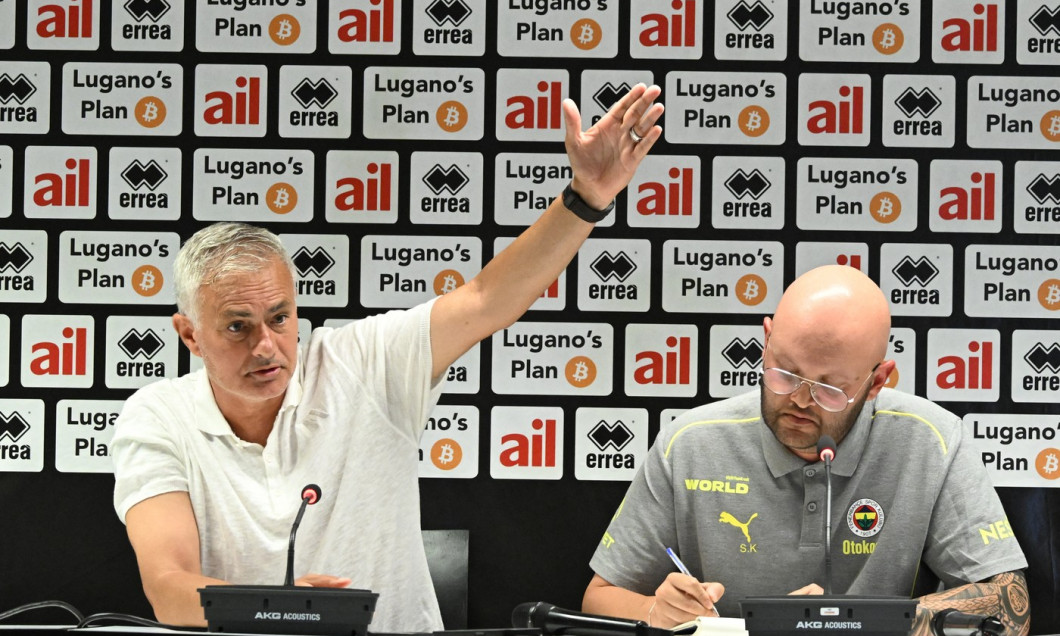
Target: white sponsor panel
column 725, row 108
column 147, row 26
column 231, row 100
column 587, row 29
column 60, row 182
column 529, row 104
column 661, row 360
column 1037, row 33
column 851, row 194
column 1035, row 366
column 1036, row 197
column 665, row 192
column 58, row 351
column 525, row 184
column 364, row 27
column 21, row 436
column 751, row 30
column 463, row 375
column 965, row 32
column 1014, row 112
column 729, row 277
column 668, row 415
column 404, row 271
column 614, row 275
column 661, row 29
column 449, row 443
column 255, row 185
column 25, row 96
column 965, row 196
column 859, row 31
column 1017, row 449
column 144, row 184
column 964, row 365
column 449, row 27
column 445, row 188
column 601, row 89
column 7, row 24
column 747, row 193
column 734, row 359
column 104, row 98
column 222, row 27
column 549, row 358
column 554, row 298
column 526, row 442
column 5, row 348
column 919, row 111
column 84, row 430
column 362, row 186
column 407, row 102
column 117, row 267
column 609, row 444
column 63, row 25
column 140, row 350
column 322, row 264
column 316, row 101
column 7, row 159
column 23, row 266
column 1012, row 281
column 917, row 278
column 811, row 254
column 902, row 349
column 835, row 109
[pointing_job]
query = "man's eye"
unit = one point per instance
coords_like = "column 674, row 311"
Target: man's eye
column 235, row 327
column 281, row 319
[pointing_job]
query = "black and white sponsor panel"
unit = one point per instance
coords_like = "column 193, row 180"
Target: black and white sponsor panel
column 131, row 268
column 25, row 97
column 222, row 27
column 614, row 275
column 1036, row 194
column 853, row 194
column 105, row 98
column 1013, row 112
column 548, row 358
column 449, row 27
column 255, row 185
column 610, row 444
column 449, row 446
column 751, row 30
column 919, row 111
column 1037, row 33
column 967, row 32
column 439, row 103
column 734, row 362
column 148, row 25
column 1012, row 281
column 722, row 276
column 83, row 433
column 1035, row 366
column 706, row 107
column 24, row 266
column 315, row 102
column 1018, row 449
column 860, row 31
column 144, row 184
column 404, row 271
column 139, row 350
column 554, row 30
column 322, row 265
column 21, row 436
column 446, row 188
column 747, row 193
column 917, row 278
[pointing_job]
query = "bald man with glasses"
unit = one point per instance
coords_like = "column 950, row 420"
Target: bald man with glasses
column 736, row 488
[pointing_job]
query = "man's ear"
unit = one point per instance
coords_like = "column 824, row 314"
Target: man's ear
column 767, row 328
column 880, row 378
column 186, row 331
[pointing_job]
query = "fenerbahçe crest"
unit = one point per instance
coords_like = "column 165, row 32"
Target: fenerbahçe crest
column 865, row 518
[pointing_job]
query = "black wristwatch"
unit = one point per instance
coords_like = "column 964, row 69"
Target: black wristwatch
column 576, row 204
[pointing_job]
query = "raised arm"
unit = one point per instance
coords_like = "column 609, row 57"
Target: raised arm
column 603, row 160
column 165, row 538
column 1004, row 595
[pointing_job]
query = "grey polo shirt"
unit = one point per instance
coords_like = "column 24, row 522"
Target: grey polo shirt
column 741, row 509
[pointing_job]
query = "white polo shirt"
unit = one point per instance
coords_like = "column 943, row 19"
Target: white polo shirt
column 350, row 422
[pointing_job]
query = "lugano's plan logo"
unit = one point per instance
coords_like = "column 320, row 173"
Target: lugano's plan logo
column 865, row 518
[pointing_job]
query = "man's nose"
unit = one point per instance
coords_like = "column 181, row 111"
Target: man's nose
column 802, row 397
column 264, row 341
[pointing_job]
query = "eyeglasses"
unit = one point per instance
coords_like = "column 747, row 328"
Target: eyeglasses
column 828, row 397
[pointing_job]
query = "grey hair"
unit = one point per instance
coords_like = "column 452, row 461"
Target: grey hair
column 219, row 250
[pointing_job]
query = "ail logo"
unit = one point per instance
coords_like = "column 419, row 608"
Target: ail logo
column 672, row 198
column 65, row 20
column 374, row 24
column 677, row 29
column 671, row 366
column 537, row 449
column 970, row 203
column 539, row 112
column 844, row 116
column 366, row 194
column 977, row 34
column 240, row 106
column 68, row 357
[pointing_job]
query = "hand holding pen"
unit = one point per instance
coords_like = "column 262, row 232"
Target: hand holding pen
column 685, row 596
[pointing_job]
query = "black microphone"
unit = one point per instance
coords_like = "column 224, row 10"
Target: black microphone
column 556, row 620
column 826, row 453
column 310, row 495
column 950, row 622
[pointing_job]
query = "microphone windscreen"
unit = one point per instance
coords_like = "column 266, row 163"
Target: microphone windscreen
column 825, row 444
column 312, row 493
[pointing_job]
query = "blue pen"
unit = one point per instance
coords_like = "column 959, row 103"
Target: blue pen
column 684, row 570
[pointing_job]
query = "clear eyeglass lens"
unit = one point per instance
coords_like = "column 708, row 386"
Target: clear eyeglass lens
column 782, row 382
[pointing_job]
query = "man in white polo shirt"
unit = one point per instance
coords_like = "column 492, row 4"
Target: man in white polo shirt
column 209, row 467
column 736, row 488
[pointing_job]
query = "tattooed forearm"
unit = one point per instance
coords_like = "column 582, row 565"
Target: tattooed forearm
column 1004, row 596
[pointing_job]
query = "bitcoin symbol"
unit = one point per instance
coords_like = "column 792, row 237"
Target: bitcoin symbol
column 892, row 380
column 1050, row 125
column 751, row 289
column 1049, row 294
column 451, row 116
column 147, row 280
column 284, row 29
column 446, row 454
column 753, row 121
column 1048, row 463
column 150, row 112
column 585, row 34
column 446, row 281
column 885, row 207
column 888, row 38
column 281, row 198
column 580, row 371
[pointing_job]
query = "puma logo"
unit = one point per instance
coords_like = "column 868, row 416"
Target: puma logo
column 733, row 521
